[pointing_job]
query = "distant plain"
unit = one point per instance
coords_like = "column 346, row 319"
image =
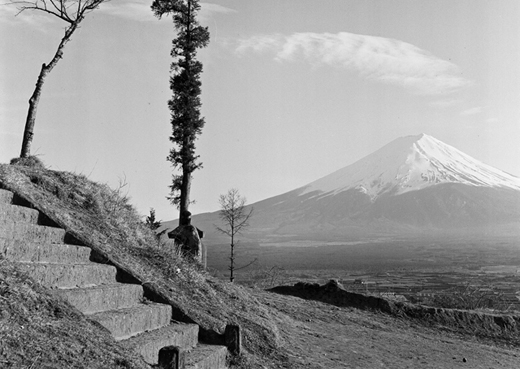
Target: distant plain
column 410, row 266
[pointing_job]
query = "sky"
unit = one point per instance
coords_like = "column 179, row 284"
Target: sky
column 292, row 90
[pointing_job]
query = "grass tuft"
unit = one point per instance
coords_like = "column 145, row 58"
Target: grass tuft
column 30, row 161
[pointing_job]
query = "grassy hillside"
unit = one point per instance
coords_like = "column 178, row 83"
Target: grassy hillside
column 103, row 219
column 278, row 331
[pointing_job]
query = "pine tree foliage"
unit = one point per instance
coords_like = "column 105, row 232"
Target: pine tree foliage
column 185, row 84
column 151, row 221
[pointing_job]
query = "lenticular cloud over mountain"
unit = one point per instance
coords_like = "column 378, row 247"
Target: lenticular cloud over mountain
column 412, row 163
column 376, row 58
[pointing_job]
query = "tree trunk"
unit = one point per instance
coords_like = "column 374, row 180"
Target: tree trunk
column 184, row 201
column 232, row 256
column 186, row 172
column 31, row 114
column 232, row 264
column 35, row 98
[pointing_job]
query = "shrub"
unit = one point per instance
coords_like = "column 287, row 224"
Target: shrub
column 468, row 298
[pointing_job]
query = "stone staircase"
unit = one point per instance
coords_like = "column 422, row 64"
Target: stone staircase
column 50, row 257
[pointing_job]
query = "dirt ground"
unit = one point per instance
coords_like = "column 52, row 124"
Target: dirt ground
column 320, row 335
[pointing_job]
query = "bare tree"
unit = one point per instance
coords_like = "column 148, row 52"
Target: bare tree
column 236, row 217
column 70, row 11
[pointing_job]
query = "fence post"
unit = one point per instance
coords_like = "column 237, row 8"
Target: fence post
column 171, row 357
column 233, row 339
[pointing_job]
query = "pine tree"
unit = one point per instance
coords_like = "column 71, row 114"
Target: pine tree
column 185, row 103
column 151, row 222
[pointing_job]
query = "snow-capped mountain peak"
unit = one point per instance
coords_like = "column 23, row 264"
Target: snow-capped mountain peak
column 412, row 163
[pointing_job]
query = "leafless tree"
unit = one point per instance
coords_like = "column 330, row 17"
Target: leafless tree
column 236, row 217
column 70, row 11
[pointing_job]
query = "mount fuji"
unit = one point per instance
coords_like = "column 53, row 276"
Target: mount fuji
column 413, row 184
column 409, row 164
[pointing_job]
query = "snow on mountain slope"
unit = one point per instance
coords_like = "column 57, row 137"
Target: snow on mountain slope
column 441, row 191
column 408, row 164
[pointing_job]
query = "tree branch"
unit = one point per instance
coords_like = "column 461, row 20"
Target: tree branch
column 248, row 264
column 60, row 9
column 45, row 11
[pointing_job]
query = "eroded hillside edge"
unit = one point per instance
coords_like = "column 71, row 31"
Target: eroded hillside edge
column 485, row 325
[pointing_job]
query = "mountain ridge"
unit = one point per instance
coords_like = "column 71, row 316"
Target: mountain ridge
column 413, row 185
column 411, row 163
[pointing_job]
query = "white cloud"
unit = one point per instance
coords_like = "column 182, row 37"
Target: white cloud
column 10, row 14
column 259, row 44
column 215, row 8
column 376, row 58
column 139, row 10
column 472, row 111
column 209, row 10
column 130, row 9
column 445, row 103
column 135, row 10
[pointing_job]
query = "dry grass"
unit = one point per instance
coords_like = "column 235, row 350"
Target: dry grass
column 38, row 330
column 103, row 219
column 469, row 298
column 30, row 161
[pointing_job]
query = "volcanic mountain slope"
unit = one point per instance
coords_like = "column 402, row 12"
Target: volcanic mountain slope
column 414, row 183
column 409, row 164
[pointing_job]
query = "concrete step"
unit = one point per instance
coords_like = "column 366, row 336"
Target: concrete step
column 6, row 197
column 32, row 233
column 207, row 357
column 15, row 213
column 54, row 275
column 95, row 299
column 128, row 322
column 149, row 343
column 20, row 250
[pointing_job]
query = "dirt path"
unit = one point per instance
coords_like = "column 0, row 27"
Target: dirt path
column 319, row 335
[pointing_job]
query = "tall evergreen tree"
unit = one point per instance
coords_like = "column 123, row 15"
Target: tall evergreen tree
column 186, row 89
